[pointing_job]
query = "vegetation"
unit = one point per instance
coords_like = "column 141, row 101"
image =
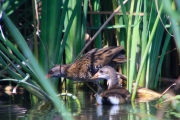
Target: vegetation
column 39, row 33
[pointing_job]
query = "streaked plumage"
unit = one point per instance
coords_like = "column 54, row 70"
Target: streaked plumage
column 86, row 66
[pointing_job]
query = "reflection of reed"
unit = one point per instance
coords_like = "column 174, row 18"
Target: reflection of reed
column 89, row 111
column 8, row 90
column 8, row 112
column 144, row 110
column 43, row 110
column 13, row 109
column 168, row 105
column 112, row 112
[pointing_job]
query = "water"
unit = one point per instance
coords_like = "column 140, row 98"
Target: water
column 18, row 107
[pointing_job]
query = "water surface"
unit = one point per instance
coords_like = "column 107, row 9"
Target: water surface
column 19, row 107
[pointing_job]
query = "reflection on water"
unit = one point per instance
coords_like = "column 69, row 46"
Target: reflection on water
column 110, row 110
column 18, row 107
column 11, row 111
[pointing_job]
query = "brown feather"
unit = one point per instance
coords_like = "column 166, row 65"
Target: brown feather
column 86, row 66
column 118, row 92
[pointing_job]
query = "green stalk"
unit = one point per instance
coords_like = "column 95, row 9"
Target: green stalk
column 122, row 35
column 146, row 52
column 174, row 18
column 97, row 22
column 54, row 7
column 6, row 67
column 155, row 50
column 36, row 27
column 135, row 37
column 44, row 33
column 25, row 84
column 171, row 11
column 15, row 50
column 25, row 49
column 84, row 19
column 124, row 14
column 144, row 44
column 109, row 27
column 12, row 64
column 129, row 83
column 68, row 23
column 151, row 21
column 11, row 5
column 73, row 43
column 162, row 56
column 17, row 61
column 59, row 47
column 77, row 26
column 114, row 4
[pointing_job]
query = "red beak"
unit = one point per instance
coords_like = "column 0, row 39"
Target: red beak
column 48, row 76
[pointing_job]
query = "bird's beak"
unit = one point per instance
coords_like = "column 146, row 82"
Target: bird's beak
column 48, row 76
column 95, row 76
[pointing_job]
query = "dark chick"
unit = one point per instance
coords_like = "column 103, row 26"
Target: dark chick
column 115, row 94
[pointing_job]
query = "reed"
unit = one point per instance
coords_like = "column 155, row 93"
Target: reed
column 34, row 65
column 172, row 10
column 62, row 26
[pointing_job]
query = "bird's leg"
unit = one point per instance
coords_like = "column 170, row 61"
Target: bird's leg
column 99, row 88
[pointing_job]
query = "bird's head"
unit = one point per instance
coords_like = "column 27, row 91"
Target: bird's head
column 102, row 73
column 57, row 71
column 107, row 73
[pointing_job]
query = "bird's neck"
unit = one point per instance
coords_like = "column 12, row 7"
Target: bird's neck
column 63, row 69
column 113, row 81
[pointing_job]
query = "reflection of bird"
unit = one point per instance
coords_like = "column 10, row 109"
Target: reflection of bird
column 115, row 94
column 111, row 110
column 86, row 66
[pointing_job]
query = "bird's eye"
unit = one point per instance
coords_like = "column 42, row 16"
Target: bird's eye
column 51, row 72
column 101, row 71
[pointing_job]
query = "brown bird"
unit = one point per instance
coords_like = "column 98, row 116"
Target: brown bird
column 115, row 94
column 86, row 66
